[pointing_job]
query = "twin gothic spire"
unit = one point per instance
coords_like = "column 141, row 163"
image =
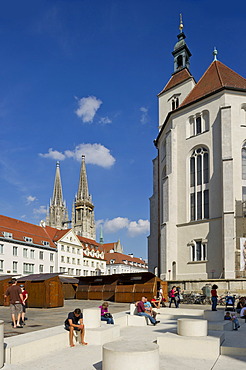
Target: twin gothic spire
column 83, row 221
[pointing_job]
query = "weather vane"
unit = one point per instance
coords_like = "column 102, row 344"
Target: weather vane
column 181, row 26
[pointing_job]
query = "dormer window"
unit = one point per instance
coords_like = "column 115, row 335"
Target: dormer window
column 112, row 261
column 27, row 239
column 7, row 235
column 44, row 242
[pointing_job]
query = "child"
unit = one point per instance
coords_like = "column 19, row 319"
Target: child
column 227, row 316
column 235, row 321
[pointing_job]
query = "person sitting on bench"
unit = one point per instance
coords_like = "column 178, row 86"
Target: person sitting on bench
column 243, row 313
column 141, row 311
column 73, row 322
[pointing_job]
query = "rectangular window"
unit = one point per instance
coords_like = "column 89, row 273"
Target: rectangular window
column 51, row 257
column 92, row 263
column 62, row 247
column 78, row 261
column 198, row 125
column 68, row 249
column 15, row 251
column 25, row 252
column 199, row 170
column 206, row 204
column 205, row 168
column 244, row 194
column 1, row 248
column 15, row 266
column 73, row 250
column 192, row 207
column 1, row 265
column 204, row 250
column 244, row 163
column 199, row 205
column 198, row 251
column 62, row 259
column 41, row 268
column 41, row 255
column 73, row 260
column 78, row 251
column 51, row 269
column 32, row 253
column 192, row 171
column 28, row 268
column 68, row 260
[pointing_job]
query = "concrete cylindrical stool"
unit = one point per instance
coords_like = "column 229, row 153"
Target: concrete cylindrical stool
column 130, row 355
column 192, row 327
column 92, row 317
column 214, row 315
column 1, row 343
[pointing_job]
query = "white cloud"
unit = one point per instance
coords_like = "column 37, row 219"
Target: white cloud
column 105, row 120
column 30, row 199
column 88, row 108
column 138, row 227
column 116, row 224
column 94, row 154
column 53, row 154
column 39, row 211
column 133, row 228
column 144, row 116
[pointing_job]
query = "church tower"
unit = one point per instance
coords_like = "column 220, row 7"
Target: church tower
column 57, row 214
column 83, row 221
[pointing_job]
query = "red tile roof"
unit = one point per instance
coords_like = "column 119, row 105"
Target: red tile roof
column 55, row 234
column 109, row 246
column 216, row 77
column 176, row 79
column 120, row 257
column 20, row 229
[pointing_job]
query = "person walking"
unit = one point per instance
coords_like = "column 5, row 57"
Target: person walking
column 15, row 295
column 214, row 297
column 24, row 304
column 172, row 295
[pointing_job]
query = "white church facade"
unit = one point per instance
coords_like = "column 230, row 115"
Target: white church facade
column 199, row 186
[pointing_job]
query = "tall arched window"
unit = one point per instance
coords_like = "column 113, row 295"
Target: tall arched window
column 199, row 179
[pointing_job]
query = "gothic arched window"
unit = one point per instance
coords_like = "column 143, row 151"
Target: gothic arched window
column 199, row 179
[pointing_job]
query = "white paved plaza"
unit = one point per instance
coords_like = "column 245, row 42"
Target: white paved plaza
column 90, row 357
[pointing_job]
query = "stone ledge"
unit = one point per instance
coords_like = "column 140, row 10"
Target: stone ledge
column 39, row 343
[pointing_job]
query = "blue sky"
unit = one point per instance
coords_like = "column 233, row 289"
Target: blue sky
column 81, row 77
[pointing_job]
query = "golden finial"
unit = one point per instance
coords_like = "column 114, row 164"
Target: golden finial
column 181, row 26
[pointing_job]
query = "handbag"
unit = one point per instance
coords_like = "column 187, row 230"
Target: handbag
column 107, row 315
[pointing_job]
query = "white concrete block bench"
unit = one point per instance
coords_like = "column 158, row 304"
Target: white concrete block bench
column 35, row 344
column 39, row 343
column 214, row 315
column 220, row 325
column 191, row 340
column 133, row 319
column 181, row 311
column 131, row 355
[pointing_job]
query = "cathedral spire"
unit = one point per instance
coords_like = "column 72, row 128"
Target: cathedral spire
column 181, row 51
column 57, row 215
column 83, row 192
column 83, row 212
column 57, row 199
